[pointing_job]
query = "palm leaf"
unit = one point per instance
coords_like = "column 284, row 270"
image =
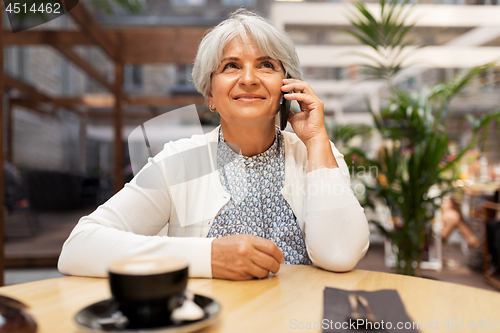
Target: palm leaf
column 384, row 35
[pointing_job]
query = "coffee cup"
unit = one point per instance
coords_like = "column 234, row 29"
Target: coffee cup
column 147, row 289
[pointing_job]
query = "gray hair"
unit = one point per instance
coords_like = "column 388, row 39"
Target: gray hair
column 244, row 24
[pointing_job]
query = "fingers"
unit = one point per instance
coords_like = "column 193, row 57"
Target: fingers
column 297, row 86
column 302, row 93
column 267, row 257
column 258, row 271
column 240, row 257
column 266, row 262
column 269, row 248
column 307, row 99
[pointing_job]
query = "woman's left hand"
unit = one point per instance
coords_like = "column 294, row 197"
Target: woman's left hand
column 309, row 124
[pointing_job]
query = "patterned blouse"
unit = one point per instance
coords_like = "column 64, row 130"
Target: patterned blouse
column 257, row 206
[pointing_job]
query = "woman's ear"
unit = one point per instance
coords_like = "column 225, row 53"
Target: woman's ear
column 210, row 99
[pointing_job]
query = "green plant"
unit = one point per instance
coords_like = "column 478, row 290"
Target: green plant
column 414, row 157
column 344, row 133
column 387, row 36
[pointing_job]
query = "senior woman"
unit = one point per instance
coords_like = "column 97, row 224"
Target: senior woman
column 276, row 197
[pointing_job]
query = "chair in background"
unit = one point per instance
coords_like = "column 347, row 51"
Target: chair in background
column 19, row 218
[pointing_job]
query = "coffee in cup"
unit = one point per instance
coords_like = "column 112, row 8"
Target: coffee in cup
column 148, row 288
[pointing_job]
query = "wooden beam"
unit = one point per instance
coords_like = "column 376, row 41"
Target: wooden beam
column 46, row 37
column 30, row 261
column 90, row 100
column 118, row 126
column 162, row 45
column 172, row 45
column 12, row 82
column 84, row 65
column 154, row 111
column 94, row 31
column 2, row 182
column 108, row 100
column 32, row 105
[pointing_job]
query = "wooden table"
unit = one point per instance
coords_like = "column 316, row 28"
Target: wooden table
column 285, row 302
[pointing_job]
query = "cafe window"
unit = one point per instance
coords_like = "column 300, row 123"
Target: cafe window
column 338, row 73
column 133, row 79
column 490, row 79
column 324, row 73
column 409, row 83
column 446, row 74
column 183, row 75
column 15, row 61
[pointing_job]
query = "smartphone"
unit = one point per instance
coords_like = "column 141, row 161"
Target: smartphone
column 283, row 110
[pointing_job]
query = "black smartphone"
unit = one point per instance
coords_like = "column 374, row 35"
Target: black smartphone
column 284, row 107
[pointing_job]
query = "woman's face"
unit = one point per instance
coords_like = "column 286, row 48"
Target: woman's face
column 247, row 85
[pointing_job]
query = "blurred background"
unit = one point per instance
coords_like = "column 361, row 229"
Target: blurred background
column 77, row 86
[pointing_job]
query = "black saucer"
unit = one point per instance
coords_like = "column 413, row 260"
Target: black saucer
column 104, row 316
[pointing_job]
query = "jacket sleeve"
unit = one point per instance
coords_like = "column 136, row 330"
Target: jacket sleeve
column 127, row 225
column 336, row 229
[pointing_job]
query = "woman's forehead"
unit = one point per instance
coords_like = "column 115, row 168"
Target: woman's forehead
column 238, row 46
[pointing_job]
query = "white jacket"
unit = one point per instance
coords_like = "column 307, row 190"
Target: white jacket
column 175, row 217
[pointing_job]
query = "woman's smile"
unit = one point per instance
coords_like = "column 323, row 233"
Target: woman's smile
column 249, row 98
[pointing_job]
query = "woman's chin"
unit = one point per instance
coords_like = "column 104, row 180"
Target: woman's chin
column 248, row 113
column 250, row 120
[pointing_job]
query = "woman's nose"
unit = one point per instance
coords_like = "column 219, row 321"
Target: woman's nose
column 249, row 77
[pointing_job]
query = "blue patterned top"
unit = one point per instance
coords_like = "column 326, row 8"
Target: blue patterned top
column 257, row 206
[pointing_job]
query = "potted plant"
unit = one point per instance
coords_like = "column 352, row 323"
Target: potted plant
column 414, row 156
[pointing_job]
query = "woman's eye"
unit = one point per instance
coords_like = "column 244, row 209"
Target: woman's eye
column 267, row 64
column 230, row 65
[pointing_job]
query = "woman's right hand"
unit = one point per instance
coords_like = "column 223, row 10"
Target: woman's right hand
column 244, row 257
